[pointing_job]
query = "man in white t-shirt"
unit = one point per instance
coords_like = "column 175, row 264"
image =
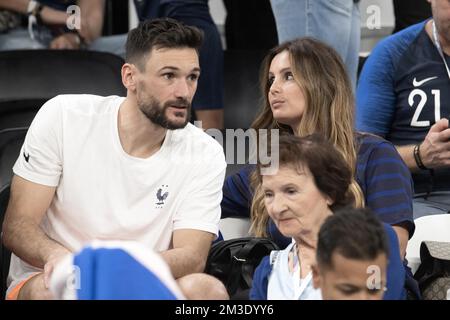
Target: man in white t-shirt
column 113, row 168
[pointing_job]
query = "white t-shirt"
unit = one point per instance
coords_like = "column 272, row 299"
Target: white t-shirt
column 105, row 194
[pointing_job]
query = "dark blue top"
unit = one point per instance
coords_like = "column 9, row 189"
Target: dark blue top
column 403, row 88
column 396, row 275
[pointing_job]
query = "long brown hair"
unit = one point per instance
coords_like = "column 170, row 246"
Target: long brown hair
column 321, row 75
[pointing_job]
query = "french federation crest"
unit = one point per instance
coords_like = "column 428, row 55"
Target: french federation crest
column 161, row 195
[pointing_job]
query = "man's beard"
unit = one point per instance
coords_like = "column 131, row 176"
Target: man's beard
column 156, row 112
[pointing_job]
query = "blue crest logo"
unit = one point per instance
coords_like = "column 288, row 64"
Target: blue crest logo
column 161, row 195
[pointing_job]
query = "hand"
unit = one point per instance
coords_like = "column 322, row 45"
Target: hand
column 52, row 261
column 66, row 41
column 435, row 148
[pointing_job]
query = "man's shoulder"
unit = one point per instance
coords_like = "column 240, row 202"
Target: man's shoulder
column 81, row 103
column 86, row 102
column 396, row 44
column 197, row 139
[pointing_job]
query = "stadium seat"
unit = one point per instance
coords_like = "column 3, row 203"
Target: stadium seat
column 361, row 61
column 11, row 141
column 31, row 77
column 5, row 254
column 428, row 228
column 241, row 87
column 18, row 113
column 232, row 228
column 241, row 99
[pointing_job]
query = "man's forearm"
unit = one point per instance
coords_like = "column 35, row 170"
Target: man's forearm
column 92, row 12
column 183, row 261
column 20, row 6
column 48, row 15
column 27, row 241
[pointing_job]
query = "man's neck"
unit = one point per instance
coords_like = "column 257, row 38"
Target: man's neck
column 139, row 137
column 445, row 45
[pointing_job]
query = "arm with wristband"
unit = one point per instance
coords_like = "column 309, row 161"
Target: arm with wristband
column 433, row 152
column 26, row 7
column 91, row 20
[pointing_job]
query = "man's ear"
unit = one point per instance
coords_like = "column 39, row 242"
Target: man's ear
column 317, row 281
column 128, row 73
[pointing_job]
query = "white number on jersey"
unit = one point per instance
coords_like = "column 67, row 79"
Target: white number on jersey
column 423, row 100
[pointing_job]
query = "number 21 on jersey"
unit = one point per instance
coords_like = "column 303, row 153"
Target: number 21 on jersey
column 415, row 122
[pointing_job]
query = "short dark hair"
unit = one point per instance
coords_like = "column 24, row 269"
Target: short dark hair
column 160, row 33
column 354, row 233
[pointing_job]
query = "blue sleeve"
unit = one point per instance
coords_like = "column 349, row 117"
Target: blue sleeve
column 389, row 186
column 261, row 280
column 396, row 274
column 237, row 194
column 375, row 94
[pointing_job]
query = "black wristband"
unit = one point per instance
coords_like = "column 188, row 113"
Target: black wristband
column 418, row 158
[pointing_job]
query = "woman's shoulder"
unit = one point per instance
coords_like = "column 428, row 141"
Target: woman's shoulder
column 369, row 144
column 370, row 140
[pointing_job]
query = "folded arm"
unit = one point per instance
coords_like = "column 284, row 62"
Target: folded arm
column 189, row 253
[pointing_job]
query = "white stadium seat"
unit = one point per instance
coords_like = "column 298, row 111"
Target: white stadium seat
column 232, row 228
column 433, row 227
